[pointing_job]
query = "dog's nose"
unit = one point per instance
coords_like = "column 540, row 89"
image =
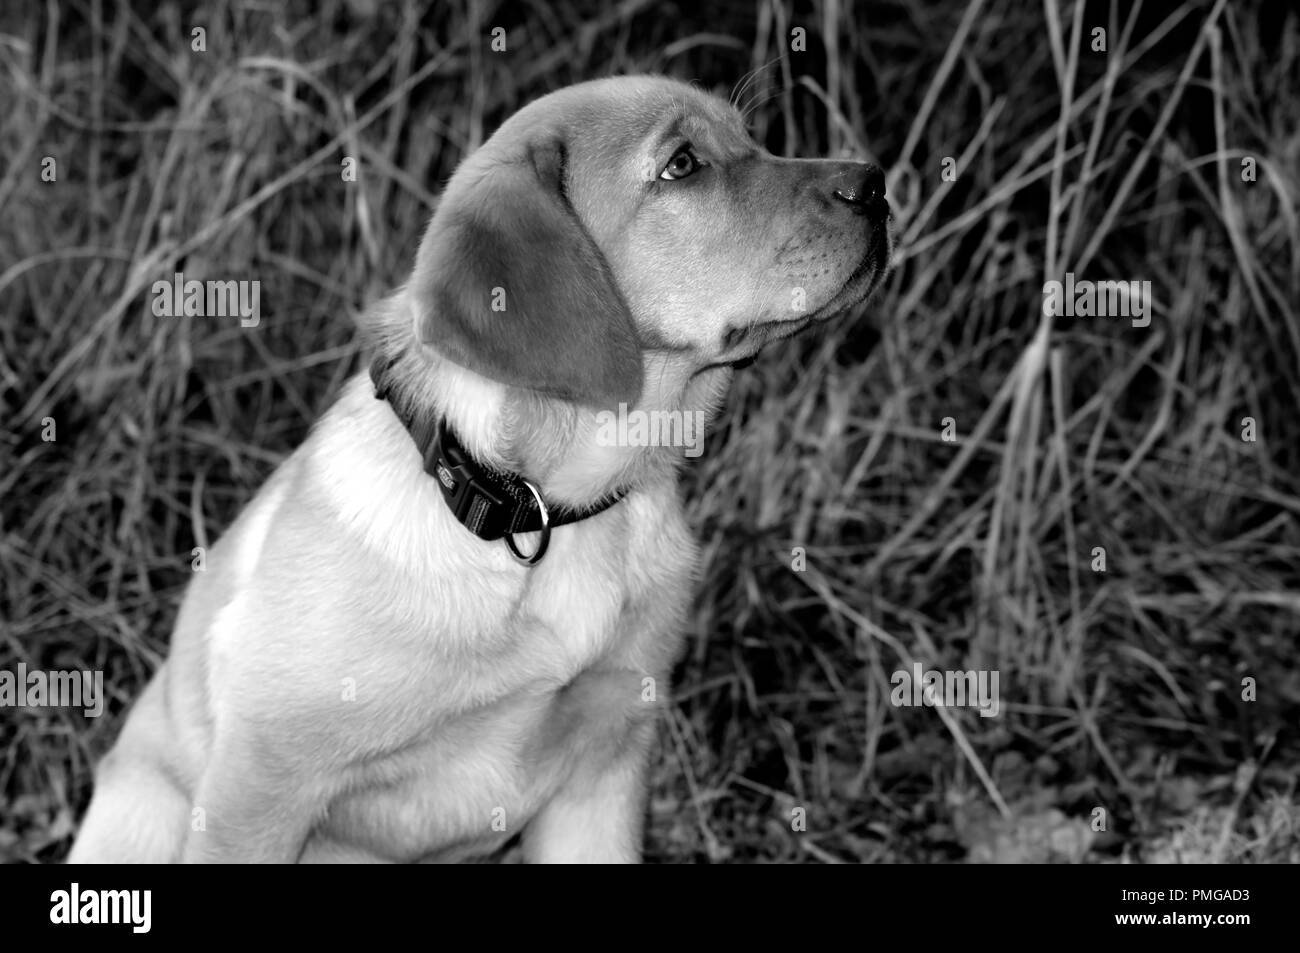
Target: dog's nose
column 864, row 191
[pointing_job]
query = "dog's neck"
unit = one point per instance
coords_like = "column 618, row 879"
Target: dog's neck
column 578, row 455
column 575, row 454
column 581, row 454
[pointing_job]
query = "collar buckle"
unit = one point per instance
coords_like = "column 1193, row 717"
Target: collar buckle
column 469, row 501
column 475, row 503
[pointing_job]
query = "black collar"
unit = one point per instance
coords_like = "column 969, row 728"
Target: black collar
column 492, row 504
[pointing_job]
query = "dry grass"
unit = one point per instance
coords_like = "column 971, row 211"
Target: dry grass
column 1121, row 690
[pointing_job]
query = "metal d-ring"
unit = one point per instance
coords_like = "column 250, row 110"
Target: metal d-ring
column 545, row 539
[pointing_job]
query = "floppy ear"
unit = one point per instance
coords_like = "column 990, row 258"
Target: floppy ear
column 509, row 284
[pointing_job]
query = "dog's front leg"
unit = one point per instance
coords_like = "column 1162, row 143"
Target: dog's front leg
column 249, row 810
column 598, row 814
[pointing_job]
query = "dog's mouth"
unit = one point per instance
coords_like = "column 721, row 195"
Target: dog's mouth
column 864, row 279
column 740, row 345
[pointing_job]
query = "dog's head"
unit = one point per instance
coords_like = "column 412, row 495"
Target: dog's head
column 631, row 214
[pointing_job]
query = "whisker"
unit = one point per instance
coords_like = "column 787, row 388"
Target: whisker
column 749, row 78
column 760, row 101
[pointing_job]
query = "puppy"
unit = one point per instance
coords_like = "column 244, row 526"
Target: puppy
column 449, row 617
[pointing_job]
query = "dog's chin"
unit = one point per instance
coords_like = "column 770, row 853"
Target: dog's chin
column 860, row 284
column 742, row 345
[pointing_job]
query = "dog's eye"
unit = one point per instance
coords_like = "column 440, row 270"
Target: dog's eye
column 683, row 163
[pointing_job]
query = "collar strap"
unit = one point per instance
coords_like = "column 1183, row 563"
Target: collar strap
column 492, row 504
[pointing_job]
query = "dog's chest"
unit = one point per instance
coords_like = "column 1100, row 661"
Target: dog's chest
column 579, row 660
